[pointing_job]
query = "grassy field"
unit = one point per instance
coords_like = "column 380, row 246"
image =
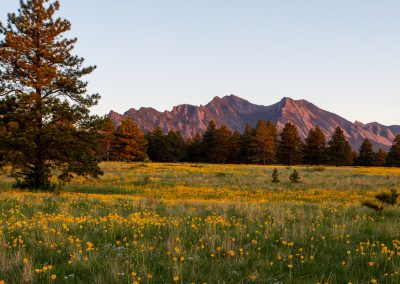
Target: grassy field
column 194, row 223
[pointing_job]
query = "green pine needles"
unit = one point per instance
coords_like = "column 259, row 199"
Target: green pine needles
column 46, row 127
column 383, row 200
column 294, row 177
column 275, row 176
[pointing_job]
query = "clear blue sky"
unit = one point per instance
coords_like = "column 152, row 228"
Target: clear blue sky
column 342, row 55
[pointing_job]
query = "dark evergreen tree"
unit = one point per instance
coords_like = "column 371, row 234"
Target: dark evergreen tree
column 380, row 158
column 393, row 156
column 176, row 147
column 234, row 148
column 129, row 143
column 156, row 145
column 383, row 200
column 314, row 151
column 209, row 144
column 339, row 150
column 366, row 154
column 294, row 177
column 45, row 121
column 275, row 176
column 194, row 149
column 246, row 141
column 264, row 143
column 223, row 146
column 107, row 136
column 290, row 146
column 353, row 157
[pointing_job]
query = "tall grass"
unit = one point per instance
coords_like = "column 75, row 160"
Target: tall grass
column 179, row 223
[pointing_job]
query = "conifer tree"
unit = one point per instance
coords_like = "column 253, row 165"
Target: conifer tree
column 294, row 177
column 366, row 154
column 275, row 176
column 223, row 145
column 194, row 149
column 290, row 146
column 315, row 147
column 380, row 158
column 156, row 144
column 107, row 136
column 246, row 141
column 264, row 143
column 45, row 121
column 383, row 200
column 234, row 148
column 129, row 143
column 175, row 150
column 339, row 150
column 393, row 156
column 209, row 143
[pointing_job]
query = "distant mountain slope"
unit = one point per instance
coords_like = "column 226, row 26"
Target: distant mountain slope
column 235, row 112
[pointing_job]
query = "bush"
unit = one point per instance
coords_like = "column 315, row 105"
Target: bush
column 27, row 185
column 316, row 169
column 383, row 200
column 275, row 176
column 295, row 177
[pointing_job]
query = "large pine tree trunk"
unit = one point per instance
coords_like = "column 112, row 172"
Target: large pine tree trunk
column 40, row 177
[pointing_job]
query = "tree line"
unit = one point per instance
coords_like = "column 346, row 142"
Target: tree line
column 263, row 144
column 47, row 131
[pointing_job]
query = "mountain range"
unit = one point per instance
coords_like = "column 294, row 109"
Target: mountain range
column 235, row 112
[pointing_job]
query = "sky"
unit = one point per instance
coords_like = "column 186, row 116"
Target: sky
column 342, row 55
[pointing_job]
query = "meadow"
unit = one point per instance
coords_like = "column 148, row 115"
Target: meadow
column 197, row 223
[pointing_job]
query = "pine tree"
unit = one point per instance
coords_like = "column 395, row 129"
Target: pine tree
column 107, row 136
column 264, row 143
column 194, row 149
column 380, row 158
column 294, row 177
column 45, row 121
column 234, row 148
column 246, row 141
column 156, row 144
column 315, row 147
column 393, row 156
column 366, row 154
column 290, row 146
column 209, row 143
column 176, row 147
column 223, row 145
column 129, row 143
column 383, row 200
column 275, row 176
column 339, row 150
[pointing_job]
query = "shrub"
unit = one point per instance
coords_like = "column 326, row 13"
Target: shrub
column 295, row 177
column 383, row 200
column 275, row 176
column 316, row 169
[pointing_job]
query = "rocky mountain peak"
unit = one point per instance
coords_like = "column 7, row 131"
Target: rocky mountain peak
column 235, row 113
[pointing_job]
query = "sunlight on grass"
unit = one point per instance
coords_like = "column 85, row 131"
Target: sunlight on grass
column 187, row 223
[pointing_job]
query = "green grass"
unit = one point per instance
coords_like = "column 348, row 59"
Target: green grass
column 183, row 223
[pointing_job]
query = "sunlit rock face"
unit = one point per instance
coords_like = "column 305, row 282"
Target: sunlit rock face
column 236, row 112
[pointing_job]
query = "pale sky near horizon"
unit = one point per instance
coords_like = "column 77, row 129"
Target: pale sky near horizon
column 342, row 55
